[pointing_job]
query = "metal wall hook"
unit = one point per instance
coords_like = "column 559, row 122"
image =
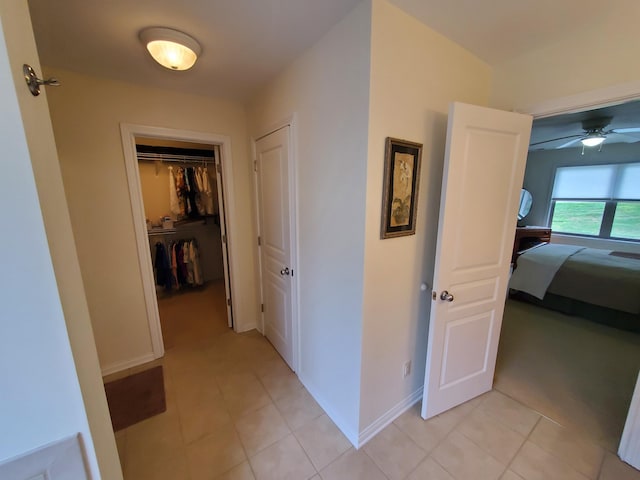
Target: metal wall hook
column 33, row 82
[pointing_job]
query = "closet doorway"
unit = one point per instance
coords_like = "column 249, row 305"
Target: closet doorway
column 180, row 189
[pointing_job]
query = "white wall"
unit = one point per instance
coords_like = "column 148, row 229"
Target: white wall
column 598, row 55
column 415, row 74
column 327, row 88
column 41, row 400
column 86, row 113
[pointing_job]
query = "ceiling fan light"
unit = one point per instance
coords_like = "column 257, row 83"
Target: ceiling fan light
column 170, row 48
column 592, row 140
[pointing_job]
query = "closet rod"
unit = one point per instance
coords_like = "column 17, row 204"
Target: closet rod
column 165, row 157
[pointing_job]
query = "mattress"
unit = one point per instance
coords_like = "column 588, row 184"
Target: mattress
column 589, row 275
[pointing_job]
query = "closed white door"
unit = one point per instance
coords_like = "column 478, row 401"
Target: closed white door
column 484, row 167
column 273, row 181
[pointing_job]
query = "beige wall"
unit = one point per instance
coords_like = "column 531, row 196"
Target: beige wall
column 327, row 89
column 598, row 55
column 154, row 183
column 415, row 74
column 86, row 113
column 48, row 388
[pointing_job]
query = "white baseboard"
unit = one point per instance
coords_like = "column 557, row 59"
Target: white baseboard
column 350, row 433
column 385, row 419
column 134, row 362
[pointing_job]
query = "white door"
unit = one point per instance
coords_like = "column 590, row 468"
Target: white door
column 484, row 167
column 223, row 234
column 273, row 166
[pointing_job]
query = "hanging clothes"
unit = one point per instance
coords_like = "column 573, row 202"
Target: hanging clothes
column 186, row 256
column 194, row 257
column 174, row 266
column 174, row 202
column 163, row 269
column 200, row 195
column 181, row 189
column 182, row 267
column 205, row 188
column 191, row 193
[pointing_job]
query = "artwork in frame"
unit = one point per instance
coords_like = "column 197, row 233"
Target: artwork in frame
column 400, row 192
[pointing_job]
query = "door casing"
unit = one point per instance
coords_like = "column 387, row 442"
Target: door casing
column 599, row 98
column 128, row 134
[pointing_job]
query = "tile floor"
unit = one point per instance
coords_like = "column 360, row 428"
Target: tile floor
column 236, row 412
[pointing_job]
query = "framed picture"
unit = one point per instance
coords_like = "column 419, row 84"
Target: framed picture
column 400, row 191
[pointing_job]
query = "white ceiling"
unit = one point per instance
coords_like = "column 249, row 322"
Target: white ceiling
column 247, row 42
column 497, row 30
column 244, row 42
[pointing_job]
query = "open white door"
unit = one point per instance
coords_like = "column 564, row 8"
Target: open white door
column 273, row 166
column 484, row 167
column 223, row 234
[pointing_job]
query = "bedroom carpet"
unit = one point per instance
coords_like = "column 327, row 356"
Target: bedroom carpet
column 579, row 373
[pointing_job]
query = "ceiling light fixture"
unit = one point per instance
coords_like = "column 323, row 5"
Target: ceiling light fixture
column 170, row 48
column 593, row 139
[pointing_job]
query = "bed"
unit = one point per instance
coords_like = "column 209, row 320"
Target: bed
column 601, row 285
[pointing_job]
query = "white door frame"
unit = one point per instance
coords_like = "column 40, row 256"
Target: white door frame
column 290, row 122
column 128, row 133
column 628, row 449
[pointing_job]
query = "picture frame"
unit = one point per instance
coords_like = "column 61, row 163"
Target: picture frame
column 402, row 161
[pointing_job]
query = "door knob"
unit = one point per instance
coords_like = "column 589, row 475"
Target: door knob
column 284, row 271
column 446, row 296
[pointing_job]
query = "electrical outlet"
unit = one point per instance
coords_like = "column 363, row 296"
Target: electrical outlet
column 406, row 369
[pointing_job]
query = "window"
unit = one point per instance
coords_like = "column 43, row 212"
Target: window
column 597, row 200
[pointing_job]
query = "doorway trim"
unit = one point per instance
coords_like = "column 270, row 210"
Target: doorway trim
column 289, row 121
column 602, row 97
column 580, row 102
column 128, row 133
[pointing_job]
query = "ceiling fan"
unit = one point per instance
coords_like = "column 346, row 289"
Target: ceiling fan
column 594, row 133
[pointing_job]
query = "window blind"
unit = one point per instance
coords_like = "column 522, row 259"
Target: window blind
column 598, row 182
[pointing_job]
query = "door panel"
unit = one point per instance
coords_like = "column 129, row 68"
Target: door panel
column 484, row 167
column 273, row 169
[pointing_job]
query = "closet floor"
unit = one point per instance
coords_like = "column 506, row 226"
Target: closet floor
column 193, row 315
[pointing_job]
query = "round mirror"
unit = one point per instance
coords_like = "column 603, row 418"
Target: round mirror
column 525, row 203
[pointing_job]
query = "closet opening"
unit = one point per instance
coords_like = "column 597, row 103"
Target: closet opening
column 206, row 304
column 183, row 205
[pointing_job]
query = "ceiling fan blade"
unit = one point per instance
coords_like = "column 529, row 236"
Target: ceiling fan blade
column 555, row 140
column 571, row 142
column 626, row 130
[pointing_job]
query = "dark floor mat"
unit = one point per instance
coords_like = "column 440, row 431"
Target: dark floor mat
column 136, row 397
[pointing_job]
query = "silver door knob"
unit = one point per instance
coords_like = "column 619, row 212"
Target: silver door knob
column 284, row 271
column 446, row 296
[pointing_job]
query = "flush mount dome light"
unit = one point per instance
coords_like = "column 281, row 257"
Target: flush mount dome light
column 170, row 48
column 593, row 140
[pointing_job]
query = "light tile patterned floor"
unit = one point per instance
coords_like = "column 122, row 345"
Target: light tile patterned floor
column 236, row 412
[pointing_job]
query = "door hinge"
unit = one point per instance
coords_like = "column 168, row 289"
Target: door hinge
column 218, row 169
column 228, row 301
column 224, row 239
column 259, row 241
column 262, row 307
column 255, row 165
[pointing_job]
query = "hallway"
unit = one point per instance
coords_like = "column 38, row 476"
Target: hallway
column 235, row 411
